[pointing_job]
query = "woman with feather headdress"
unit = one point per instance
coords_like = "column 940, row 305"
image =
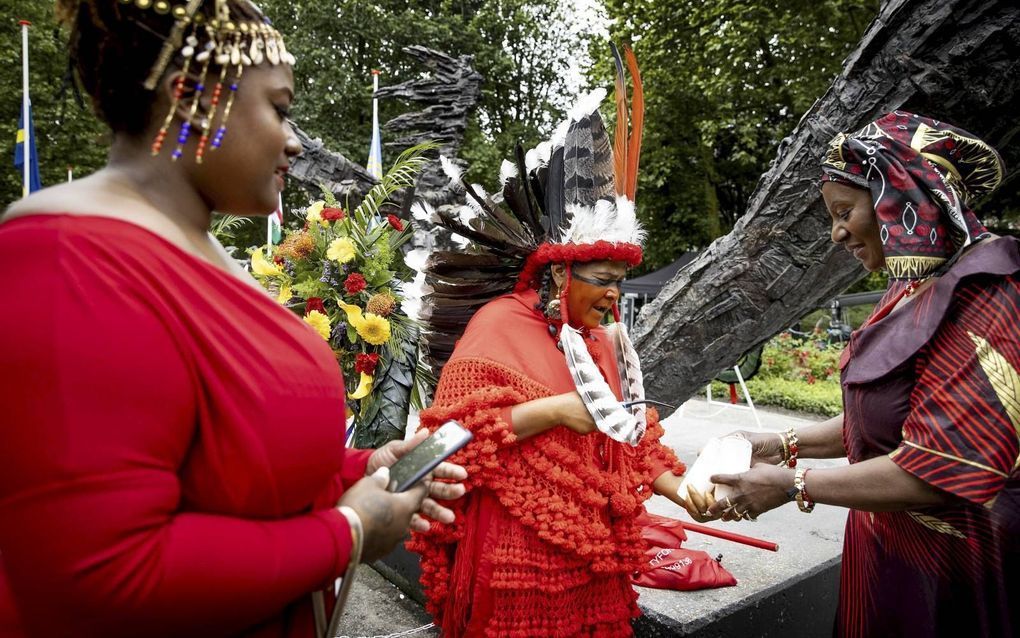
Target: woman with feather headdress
column 565, row 451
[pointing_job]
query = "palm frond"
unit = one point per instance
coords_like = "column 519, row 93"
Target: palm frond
column 224, row 227
column 402, row 174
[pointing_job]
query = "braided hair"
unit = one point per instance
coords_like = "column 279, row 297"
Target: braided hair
column 112, row 47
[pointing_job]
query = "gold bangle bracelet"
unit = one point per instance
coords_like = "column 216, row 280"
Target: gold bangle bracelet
column 357, row 534
column 328, row 627
column 803, row 502
column 791, row 447
column 786, row 448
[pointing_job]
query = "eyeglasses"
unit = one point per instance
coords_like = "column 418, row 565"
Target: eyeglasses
column 598, row 282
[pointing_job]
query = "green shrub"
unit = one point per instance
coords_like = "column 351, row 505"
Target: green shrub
column 796, row 374
column 821, row 397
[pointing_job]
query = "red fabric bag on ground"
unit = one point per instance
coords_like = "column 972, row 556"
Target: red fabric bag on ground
column 668, row 566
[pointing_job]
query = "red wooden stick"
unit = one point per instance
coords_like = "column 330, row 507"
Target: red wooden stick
column 730, row 536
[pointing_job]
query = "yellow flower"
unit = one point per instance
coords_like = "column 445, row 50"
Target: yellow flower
column 341, row 250
column 318, row 321
column 262, row 266
column 314, row 212
column 374, row 329
column 353, row 313
column 285, row 294
column 364, row 387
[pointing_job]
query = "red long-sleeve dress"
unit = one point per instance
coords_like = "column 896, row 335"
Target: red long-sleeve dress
column 546, row 539
column 171, row 442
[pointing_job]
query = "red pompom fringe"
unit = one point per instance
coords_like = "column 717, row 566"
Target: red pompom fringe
column 546, row 254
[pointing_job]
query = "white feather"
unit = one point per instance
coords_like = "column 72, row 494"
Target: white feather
column 612, row 221
column 413, row 291
column 416, row 259
column 462, row 241
column 507, row 170
column 424, row 212
column 627, row 226
column 473, row 202
column 452, row 171
column 628, row 364
column 531, row 160
column 610, row 417
column 558, row 136
column 544, row 150
column 587, row 104
column 466, row 213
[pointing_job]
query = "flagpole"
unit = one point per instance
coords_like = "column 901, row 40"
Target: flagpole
column 375, row 100
column 26, row 105
column 375, row 148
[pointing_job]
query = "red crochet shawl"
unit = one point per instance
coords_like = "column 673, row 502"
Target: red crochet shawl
column 565, row 519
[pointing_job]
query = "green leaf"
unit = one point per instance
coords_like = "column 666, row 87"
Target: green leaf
column 385, row 417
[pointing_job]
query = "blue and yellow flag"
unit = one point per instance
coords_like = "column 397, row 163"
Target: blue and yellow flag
column 19, row 153
column 375, row 146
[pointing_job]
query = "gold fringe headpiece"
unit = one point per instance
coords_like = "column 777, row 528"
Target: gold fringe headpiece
column 223, row 41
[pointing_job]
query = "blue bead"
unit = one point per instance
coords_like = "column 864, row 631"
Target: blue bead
column 233, row 87
column 200, row 87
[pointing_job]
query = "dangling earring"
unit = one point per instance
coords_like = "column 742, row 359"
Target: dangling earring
column 552, row 310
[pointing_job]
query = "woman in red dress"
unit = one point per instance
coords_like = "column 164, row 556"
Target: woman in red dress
column 172, row 458
column 547, row 537
column 931, row 394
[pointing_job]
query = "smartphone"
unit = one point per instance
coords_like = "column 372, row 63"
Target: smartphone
column 416, row 464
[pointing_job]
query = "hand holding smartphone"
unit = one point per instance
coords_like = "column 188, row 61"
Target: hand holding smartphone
column 416, row 464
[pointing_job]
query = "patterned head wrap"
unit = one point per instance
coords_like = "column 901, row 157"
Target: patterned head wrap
column 923, row 175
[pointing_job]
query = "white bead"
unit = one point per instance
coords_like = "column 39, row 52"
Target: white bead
column 203, row 56
column 188, row 51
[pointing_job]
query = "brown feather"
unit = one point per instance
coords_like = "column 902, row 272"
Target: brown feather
column 620, row 141
column 637, row 114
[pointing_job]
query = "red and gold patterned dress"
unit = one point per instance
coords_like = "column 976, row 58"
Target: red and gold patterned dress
column 545, row 540
column 936, row 387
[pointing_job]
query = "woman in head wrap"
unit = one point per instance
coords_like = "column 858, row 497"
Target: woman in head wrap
column 931, row 394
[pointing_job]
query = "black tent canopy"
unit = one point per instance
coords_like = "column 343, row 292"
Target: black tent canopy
column 653, row 282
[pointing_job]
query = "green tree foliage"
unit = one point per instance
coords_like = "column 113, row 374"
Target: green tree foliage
column 517, row 44
column 67, row 132
column 520, row 46
column 725, row 81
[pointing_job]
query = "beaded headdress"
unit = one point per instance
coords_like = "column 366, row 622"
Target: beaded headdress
column 222, row 44
column 569, row 200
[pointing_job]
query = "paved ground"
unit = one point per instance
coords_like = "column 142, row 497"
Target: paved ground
column 807, row 545
column 807, row 542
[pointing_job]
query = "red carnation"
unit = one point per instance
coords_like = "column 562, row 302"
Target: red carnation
column 333, row 214
column 366, row 363
column 354, row 283
column 395, row 222
column 314, row 303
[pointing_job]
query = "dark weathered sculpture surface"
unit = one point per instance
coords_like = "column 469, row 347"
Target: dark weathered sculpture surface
column 448, row 95
column 957, row 60
column 318, row 166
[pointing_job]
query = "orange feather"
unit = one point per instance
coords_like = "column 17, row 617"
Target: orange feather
column 620, row 141
column 637, row 116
